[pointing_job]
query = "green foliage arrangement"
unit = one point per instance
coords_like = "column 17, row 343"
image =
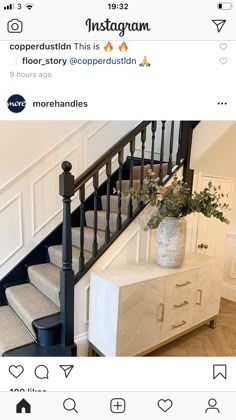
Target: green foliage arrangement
column 176, row 200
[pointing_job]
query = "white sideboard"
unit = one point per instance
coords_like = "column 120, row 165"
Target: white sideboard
column 141, row 307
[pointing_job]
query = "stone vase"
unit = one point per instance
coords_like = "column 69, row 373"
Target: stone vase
column 171, row 240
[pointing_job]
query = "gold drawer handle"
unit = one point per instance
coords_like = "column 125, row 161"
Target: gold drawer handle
column 200, row 297
column 182, row 304
column 179, row 325
column 183, row 284
column 162, row 308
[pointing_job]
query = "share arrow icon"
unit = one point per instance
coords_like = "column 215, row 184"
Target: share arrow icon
column 219, row 24
column 67, row 369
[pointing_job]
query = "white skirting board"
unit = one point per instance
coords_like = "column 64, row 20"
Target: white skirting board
column 229, row 292
column 81, row 342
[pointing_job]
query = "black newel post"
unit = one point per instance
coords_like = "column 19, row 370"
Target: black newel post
column 66, row 190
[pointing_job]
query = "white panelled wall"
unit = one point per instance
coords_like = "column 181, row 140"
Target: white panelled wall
column 30, row 164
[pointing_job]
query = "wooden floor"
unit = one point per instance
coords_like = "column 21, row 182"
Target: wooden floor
column 205, row 341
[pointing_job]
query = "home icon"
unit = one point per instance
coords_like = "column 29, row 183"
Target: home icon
column 23, row 407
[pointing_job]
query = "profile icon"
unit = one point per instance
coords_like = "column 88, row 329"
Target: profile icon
column 16, row 103
column 212, row 406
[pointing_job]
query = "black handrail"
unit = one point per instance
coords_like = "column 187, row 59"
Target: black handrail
column 99, row 163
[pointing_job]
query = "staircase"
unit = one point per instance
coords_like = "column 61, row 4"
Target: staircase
column 37, row 296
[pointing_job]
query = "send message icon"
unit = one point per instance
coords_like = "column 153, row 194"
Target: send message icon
column 219, row 371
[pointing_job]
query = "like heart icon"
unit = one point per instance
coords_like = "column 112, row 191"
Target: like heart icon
column 223, row 46
column 16, row 371
column 223, row 60
column 165, row 405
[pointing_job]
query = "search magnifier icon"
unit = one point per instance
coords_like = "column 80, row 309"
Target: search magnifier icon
column 70, row 405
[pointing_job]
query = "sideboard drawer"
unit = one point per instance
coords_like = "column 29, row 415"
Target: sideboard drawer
column 178, row 303
column 176, row 322
column 180, row 283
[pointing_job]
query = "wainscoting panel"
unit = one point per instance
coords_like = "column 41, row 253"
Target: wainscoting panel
column 229, row 286
column 45, row 191
column 30, row 205
column 233, row 263
column 11, row 229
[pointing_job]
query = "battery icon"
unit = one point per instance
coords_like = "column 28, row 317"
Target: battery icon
column 224, row 6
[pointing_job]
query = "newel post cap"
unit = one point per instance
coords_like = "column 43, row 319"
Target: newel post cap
column 66, row 166
column 66, row 180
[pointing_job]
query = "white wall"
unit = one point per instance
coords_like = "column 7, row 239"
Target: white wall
column 31, row 156
column 205, row 135
column 23, row 143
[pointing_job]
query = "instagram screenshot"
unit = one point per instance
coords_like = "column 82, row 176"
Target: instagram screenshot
column 117, row 209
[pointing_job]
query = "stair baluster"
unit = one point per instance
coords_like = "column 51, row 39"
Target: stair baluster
column 170, row 163
column 66, row 190
column 131, row 180
column 143, row 140
column 178, row 156
column 82, row 223
column 119, row 192
column 107, row 230
column 162, row 150
column 154, row 128
column 95, row 221
column 186, row 153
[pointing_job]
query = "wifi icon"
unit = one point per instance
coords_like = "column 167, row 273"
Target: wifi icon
column 29, row 6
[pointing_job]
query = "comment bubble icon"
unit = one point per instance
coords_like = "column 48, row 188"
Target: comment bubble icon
column 41, row 372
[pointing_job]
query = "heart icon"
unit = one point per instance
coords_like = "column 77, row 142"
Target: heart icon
column 16, row 371
column 165, row 405
column 223, row 46
column 223, row 60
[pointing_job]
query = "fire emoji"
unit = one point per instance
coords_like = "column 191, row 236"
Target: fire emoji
column 108, row 47
column 123, row 47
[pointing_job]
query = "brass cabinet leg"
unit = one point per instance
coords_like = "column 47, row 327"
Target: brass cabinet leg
column 212, row 324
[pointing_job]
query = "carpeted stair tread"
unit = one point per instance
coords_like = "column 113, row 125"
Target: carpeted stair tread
column 13, row 333
column 101, row 220
column 55, row 255
column 156, row 169
column 88, row 238
column 29, row 304
column 46, row 277
column 126, row 185
column 114, row 204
